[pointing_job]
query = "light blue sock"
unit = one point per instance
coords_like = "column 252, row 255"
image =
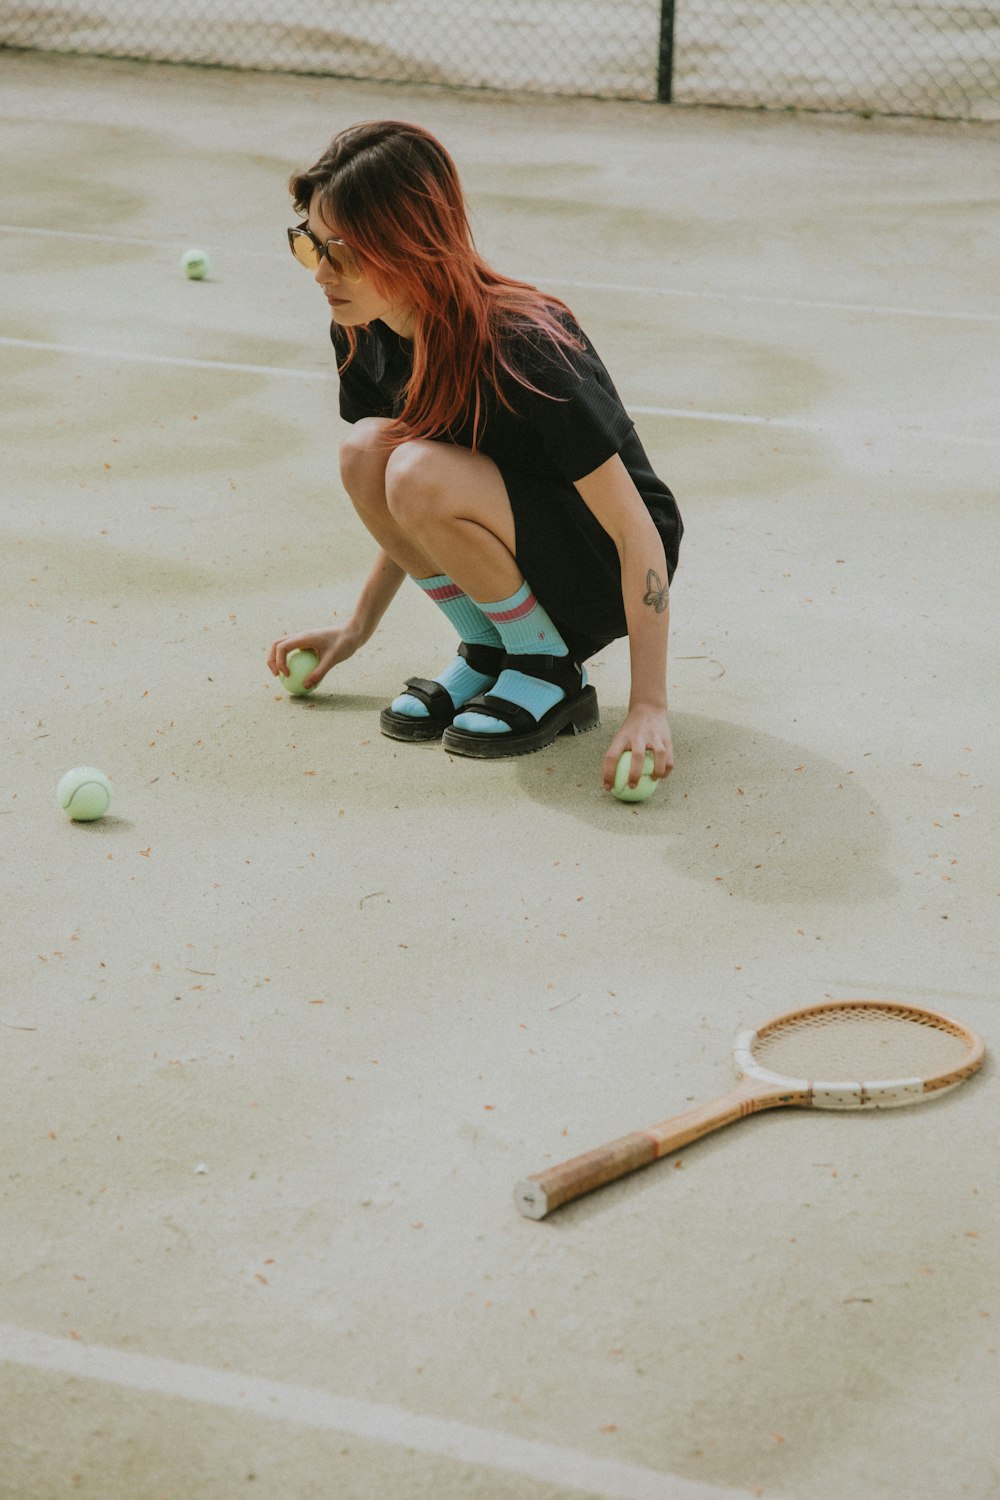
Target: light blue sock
column 458, row 679
column 526, row 629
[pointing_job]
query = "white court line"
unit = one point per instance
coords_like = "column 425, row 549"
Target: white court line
column 130, row 356
column 632, row 289
column 797, row 424
column 677, row 413
column 772, row 301
column 78, row 234
column 306, row 1406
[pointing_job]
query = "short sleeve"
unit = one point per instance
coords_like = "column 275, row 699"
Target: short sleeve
column 360, row 393
column 574, row 408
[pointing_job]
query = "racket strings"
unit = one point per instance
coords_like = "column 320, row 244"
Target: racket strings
column 862, row 1044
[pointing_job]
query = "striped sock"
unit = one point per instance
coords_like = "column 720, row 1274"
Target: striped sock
column 526, row 629
column 458, row 679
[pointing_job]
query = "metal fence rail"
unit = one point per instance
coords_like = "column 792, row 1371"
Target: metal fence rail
column 873, row 56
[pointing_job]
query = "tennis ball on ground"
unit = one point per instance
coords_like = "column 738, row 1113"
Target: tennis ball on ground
column 194, row 264
column 299, row 664
column 646, row 785
column 84, row 794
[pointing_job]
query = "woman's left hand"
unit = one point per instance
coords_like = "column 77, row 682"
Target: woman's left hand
column 644, row 729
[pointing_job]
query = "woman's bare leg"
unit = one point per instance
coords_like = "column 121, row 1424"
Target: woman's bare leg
column 394, row 494
column 363, row 460
column 449, row 509
column 453, row 505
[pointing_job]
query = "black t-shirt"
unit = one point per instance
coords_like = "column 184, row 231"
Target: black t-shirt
column 564, row 429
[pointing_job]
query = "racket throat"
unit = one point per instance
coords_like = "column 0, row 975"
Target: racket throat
column 749, row 1097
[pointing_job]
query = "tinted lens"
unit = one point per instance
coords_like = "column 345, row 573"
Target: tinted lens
column 343, row 262
column 303, row 249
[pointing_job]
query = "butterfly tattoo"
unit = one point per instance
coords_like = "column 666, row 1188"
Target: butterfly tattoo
column 657, row 592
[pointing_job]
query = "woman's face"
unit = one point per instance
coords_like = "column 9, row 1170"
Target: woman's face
column 353, row 302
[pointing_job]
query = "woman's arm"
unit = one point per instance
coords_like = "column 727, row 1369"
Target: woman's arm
column 334, row 644
column 377, row 593
column 612, row 496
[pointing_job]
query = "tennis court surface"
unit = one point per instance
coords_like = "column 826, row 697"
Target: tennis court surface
column 280, row 1034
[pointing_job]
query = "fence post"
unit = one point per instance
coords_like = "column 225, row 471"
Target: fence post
column 665, row 61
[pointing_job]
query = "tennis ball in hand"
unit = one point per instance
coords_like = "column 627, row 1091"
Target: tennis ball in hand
column 299, row 664
column 84, row 794
column 646, row 785
column 194, row 264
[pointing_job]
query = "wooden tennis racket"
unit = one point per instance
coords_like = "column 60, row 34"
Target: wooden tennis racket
column 843, row 1054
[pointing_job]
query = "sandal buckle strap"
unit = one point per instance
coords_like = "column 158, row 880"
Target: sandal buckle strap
column 561, row 671
column 430, row 693
column 519, row 719
column 485, row 659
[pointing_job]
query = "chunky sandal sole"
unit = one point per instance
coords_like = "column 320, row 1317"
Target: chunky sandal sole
column 575, row 715
column 409, row 728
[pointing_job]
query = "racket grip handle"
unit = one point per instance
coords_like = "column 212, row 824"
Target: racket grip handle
column 539, row 1194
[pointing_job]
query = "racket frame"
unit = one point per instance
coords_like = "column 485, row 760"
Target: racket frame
column 758, row 1089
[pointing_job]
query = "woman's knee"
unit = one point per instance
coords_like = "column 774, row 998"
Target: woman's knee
column 413, row 482
column 363, row 457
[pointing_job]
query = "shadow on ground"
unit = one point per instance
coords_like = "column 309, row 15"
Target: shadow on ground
column 765, row 818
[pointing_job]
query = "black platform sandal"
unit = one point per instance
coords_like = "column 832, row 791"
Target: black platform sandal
column 574, row 714
column 437, row 700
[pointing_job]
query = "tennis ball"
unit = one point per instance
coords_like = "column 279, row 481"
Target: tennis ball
column 84, row 794
column 646, row 785
column 299, row 664
column 194, row 264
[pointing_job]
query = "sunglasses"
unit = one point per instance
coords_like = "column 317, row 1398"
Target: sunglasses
column 309, row 251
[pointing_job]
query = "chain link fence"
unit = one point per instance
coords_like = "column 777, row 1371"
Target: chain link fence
column 872, row 56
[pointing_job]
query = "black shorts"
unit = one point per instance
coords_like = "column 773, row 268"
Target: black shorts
column 571, row 562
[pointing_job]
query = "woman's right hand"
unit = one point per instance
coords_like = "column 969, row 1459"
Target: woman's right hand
column 332, row 645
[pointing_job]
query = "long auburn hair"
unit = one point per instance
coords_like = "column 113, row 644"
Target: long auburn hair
column 393, row 192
